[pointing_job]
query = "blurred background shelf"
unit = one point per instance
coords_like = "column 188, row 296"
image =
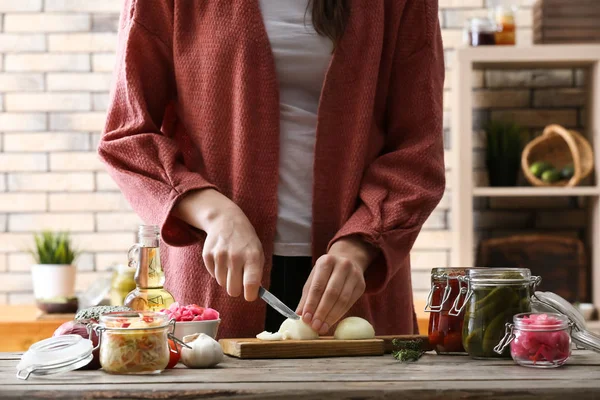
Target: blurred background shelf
column 465, row 191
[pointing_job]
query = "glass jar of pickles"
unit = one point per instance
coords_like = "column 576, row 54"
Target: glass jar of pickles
column 445, row 321
column 134, row 342
column 493, row 296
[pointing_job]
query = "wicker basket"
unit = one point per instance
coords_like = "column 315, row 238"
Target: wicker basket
column 561, row 147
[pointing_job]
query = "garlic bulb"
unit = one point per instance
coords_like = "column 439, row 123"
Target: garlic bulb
column 205, row 351
column 296, row 329
column 354, row 328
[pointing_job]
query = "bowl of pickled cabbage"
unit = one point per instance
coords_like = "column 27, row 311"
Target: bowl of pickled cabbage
column 192, row 319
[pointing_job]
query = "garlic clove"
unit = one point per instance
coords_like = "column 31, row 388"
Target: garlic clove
column 204, row 351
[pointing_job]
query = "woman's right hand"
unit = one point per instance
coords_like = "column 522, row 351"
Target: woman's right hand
column 233, row 253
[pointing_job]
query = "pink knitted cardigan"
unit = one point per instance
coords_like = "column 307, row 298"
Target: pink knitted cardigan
column 195, row 105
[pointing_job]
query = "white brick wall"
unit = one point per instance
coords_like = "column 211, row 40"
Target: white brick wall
column 56, row 59
column 46, row 22
column 47, row 62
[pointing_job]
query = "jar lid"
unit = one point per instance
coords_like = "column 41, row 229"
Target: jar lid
column 499, row 276
column 447, row 272
column 481, row 24
column 55, row 355
column 134, row 320
column 541, row 321
column 551, row 302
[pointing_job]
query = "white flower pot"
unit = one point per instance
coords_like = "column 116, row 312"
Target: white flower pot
column 50, row 281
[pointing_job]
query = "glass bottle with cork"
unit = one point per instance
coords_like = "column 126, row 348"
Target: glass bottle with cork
column 149, row 294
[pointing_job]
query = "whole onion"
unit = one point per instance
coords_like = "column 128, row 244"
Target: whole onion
column 80, row 328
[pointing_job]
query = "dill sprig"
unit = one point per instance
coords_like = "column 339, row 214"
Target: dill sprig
column 407, row 350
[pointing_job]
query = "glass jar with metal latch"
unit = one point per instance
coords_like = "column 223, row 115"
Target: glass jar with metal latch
column 129, row 343
column 493, row 296
column 538, row 340
column 445, row 321
column 134, row 342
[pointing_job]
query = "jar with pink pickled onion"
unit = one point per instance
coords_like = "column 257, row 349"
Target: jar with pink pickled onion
column 538, row 340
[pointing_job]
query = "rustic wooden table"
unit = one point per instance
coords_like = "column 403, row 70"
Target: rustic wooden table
column 432, row 377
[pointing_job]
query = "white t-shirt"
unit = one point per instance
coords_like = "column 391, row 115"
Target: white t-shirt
column 302, row 58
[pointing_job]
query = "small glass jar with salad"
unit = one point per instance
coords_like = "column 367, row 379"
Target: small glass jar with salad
column 134, row 342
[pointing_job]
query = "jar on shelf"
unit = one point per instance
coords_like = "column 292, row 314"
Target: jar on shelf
column 538, row 340
column 134, row 342
column 445, row 320
column 493, row 296
column 504, row 17
column 480, row 32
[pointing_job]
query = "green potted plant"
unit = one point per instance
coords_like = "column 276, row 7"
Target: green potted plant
column 505, row 143
column 54, row 273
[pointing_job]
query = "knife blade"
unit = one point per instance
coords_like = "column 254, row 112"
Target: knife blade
column 277, row 304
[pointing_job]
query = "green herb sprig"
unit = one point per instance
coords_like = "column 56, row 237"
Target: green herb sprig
column 407, row 350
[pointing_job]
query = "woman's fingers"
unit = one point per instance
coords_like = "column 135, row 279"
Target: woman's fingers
column 253, row 270
column 353, row 289
column 329, row 299
column 221, row 267
column 320, row 276
column 333, row 286
column 300, row 308
column 235, row 275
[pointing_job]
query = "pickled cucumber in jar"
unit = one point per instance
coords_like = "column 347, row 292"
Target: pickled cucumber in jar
column 494, row 301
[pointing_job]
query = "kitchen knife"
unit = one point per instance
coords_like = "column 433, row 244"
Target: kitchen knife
column 276, row 304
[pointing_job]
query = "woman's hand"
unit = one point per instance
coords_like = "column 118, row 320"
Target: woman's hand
column 233, row 253
column 335, row 283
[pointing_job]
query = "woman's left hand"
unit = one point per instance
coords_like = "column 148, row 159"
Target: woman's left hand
column 335, row 283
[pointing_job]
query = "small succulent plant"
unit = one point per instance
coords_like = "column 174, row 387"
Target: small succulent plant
column 54, row 248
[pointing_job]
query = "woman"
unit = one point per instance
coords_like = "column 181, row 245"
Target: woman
column 265, row 138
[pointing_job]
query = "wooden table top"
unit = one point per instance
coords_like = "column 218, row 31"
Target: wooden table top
column 432, row 377
column 23, row 325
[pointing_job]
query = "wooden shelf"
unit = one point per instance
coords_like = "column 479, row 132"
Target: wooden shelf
column 545, row 55
column 535, row 191
column 463, row 192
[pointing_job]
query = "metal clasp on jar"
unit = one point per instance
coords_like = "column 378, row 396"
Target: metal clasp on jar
column 445, row 296
column 509, row 336
column 455, row 310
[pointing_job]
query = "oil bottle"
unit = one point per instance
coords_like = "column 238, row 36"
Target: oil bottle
column 149, row 294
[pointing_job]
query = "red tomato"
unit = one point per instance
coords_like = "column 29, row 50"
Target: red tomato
column 174, row 354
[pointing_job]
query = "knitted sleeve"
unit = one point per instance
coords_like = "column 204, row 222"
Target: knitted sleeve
column 144, row 162
column 405, row 183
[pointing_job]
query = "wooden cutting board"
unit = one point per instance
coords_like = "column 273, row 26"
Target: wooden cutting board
column 253, row 348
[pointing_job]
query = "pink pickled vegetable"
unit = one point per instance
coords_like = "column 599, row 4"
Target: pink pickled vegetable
column 192, row 312
column 543, row 343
